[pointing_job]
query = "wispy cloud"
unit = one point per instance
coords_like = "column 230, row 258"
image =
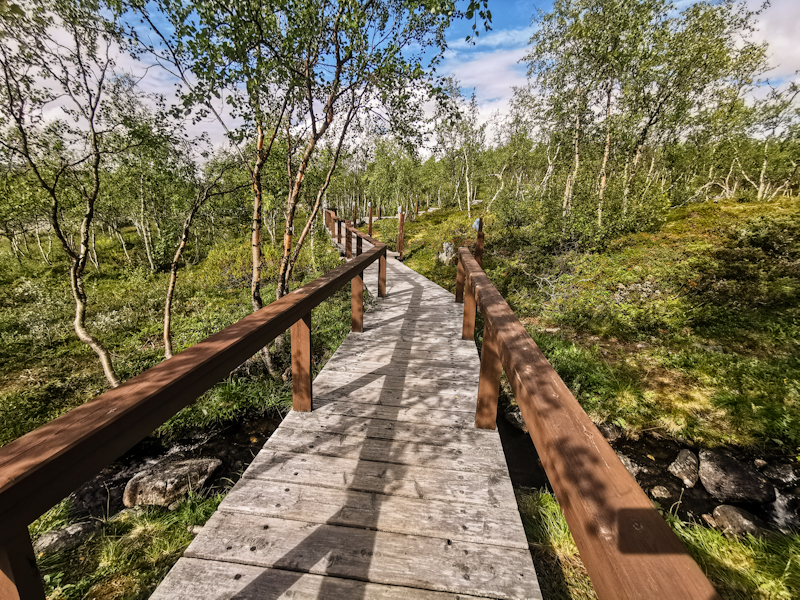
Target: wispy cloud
column 508, row 38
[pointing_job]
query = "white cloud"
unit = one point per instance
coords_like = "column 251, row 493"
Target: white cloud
column 505, row 38
column 778, row 27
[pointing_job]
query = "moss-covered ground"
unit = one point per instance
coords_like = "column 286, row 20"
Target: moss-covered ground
column 690, row 331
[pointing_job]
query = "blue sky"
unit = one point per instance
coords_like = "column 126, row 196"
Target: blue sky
column 491, row 69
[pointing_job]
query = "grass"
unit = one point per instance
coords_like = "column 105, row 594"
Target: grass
column 740, row 569
column 693, row 329
column 128, row 556
column 45, row 371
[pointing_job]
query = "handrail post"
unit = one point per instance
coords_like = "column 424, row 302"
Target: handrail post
column 338, row 231
column 460, row 281
column 468, row 325
column 358, row 245
column 355, row 214
column 348, row 244
column 400, row 234
column 479, row 244
column 369, row 231
column 357, row 303
column 19, row 577
column 301, row 364
column 382, row 275
column 489, row 382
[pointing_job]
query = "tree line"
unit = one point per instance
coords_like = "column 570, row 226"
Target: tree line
column 85, row 149
column 632, row 107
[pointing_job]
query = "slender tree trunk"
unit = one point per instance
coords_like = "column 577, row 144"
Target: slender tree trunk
column 124, row 245
column 173, row 270
column 566, row 207
column 255, row 278
column 144, row 225
column 762, row 175
column 606, row 151
column 93, row 249
column 46, row 257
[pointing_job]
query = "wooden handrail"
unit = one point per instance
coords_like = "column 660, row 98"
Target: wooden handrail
column 628, row 549
column 40, row 468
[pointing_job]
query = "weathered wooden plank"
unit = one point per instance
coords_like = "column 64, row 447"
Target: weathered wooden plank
column 193, row 578
column 460, row 458
column 447, row 400
column 391, row 430
column 489, row 489
column 393, row 514
column 450, row 346
column 377, row 335
column 397, row 369
column 422, row 415
column 360, row 349
column 333, row 379
column 374, row 556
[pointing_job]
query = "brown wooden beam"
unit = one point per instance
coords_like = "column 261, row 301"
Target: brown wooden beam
column 19, row 577
column 628, row 549
column 489, row 382
column 301, row 364
column 357, row 303
column 382, row 275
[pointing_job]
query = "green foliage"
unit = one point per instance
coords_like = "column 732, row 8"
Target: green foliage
column 744, row 568
column 128, row 556
column 739, row 568
column 644, row 341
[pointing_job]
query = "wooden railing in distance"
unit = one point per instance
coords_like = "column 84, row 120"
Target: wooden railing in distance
column 335, row 225
column 45, row 465
column 628, row 549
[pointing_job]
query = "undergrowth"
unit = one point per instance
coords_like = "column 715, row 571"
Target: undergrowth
column 746, row 568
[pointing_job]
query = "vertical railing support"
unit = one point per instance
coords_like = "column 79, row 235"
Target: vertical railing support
column 460, row 282
column 369, row 230
column 382, row 275
column 358, row 245
column 468, row 326
column 479, row 244
column 357, row 303
column 348, row 243
column 301, row 364
column 400, row 233
column 489, row 382
column 355, row 215
column 338, row 231
column 19, row 577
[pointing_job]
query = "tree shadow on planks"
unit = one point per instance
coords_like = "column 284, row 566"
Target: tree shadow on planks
column 346, row 552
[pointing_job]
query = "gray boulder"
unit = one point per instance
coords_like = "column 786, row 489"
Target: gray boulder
column 632, row 467
column 514, row 416
column 730, row 480
column 67, row 538
column 448, row 253
column 166, row 482
column 659, row 492
column 610, row 431
column 686, row 467
column 735, row 522
column 781, row 472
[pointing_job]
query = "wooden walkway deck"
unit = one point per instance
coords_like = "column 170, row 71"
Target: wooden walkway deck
column 386, row 489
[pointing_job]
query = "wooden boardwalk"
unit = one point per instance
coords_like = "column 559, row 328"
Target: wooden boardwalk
column 386, row 489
